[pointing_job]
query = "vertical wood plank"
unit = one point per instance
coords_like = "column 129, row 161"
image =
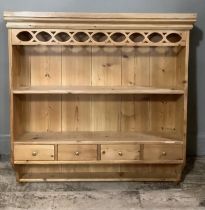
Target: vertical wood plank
column 45, row 66
column 25, row 70
column 106, row 66
column 106, row 71
column 181, row 79
column 76, row 113
column 106, row 113
column 128, row 113
column 128, row 66
column 135, row 66
column 142, row 66
column 135, row 113
column 21, row 66
column 45, row 110
column 76, row 66
column 162, row 66
column 180, row 120
column 163, row 115
column 76, row 70
column 135, row 72
column 44, row 113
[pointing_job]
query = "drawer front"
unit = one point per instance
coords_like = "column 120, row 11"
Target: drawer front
column 120, row 152
column 77, row 152
column 34, row 152
column 163, row 152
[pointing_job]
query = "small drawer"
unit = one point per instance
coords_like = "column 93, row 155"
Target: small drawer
column 77, row 152
column 34, row 152
column 162, row 152
column 120, row 152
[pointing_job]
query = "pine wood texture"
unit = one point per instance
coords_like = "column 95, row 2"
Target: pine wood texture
column 77, row 152
column 120, row 152
column 34, row 152
column 98, row 97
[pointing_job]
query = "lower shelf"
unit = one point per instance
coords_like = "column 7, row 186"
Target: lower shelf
column 101, row 162
column 87, row 177
column 125, row 173
column 96, row 148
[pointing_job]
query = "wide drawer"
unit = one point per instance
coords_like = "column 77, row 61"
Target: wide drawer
column 77, row 152
column 162, row 152
column 34, row 152
column 120, row 152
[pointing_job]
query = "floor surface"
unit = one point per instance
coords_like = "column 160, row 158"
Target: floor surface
column 189, row 194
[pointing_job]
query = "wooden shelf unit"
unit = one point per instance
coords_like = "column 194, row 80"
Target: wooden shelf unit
column 99, row 97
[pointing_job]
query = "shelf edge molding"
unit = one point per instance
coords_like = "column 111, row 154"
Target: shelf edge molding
column 28, row 19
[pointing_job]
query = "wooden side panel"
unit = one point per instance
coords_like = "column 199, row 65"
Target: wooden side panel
column 21, row 66
column 181, row 79
column 18, row 115
column 76, row 113
column 76, row 66
column 186, row 72
column 163, row 67
column 180, row 120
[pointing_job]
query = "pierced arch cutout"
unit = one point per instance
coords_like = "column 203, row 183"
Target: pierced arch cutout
column 118, row 37
column 43, row 36
column 136, row 37
column 81, row 37
column 173, row 37
column 62, row 37
column 155, row 37
column 99, row 37
column 24, row 36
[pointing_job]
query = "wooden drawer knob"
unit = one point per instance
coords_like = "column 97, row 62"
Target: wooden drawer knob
column 164, row 153
column 103, row 152
column 120, row 153
column 77, row 153
column 34, row 153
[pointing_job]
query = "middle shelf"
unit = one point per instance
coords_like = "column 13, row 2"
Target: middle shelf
column 97, row 137
column 95, row 90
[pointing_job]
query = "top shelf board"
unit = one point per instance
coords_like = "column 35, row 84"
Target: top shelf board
column 95, row 90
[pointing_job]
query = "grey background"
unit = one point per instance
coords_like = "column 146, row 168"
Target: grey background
column 196, row 115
